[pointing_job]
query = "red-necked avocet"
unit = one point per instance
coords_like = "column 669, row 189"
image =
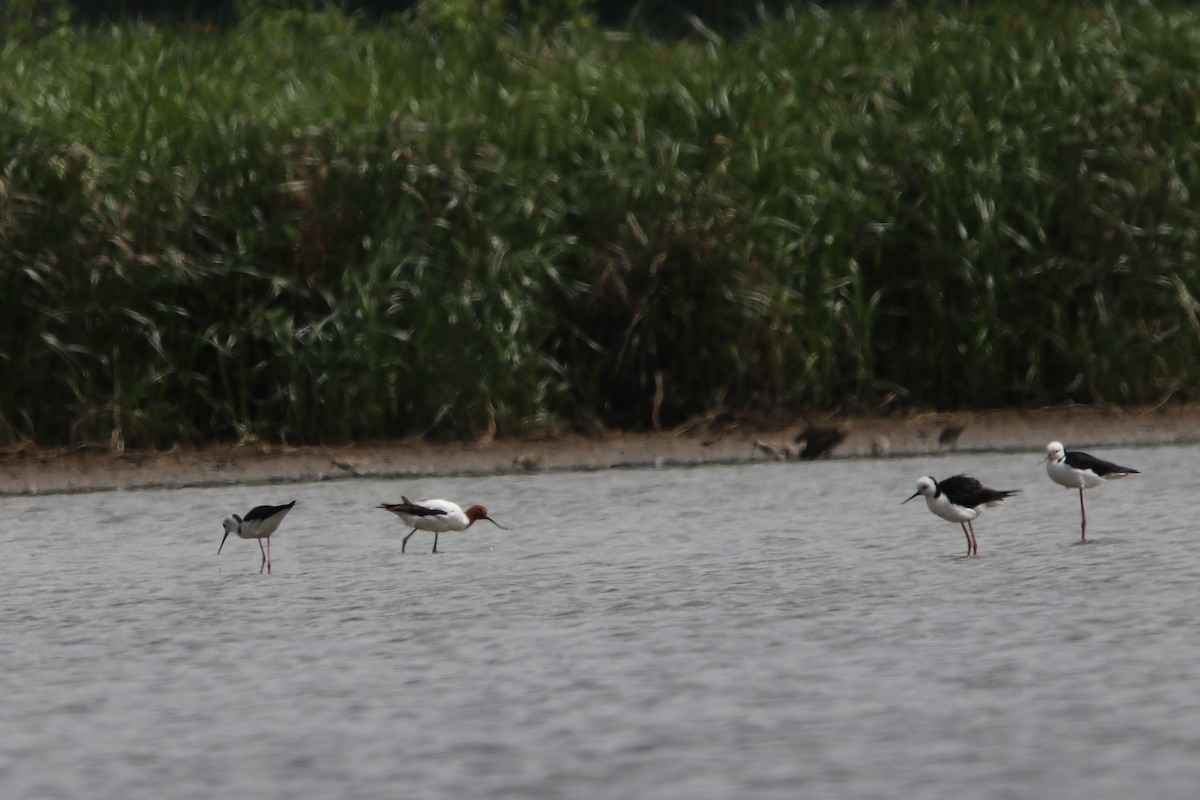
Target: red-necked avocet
column 259, row 524
column 436, row 516
column 960, row 499
column 1076, row 470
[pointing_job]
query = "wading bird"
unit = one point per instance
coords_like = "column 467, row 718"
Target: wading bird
column 959, row 499
column 1076, row 470
column 259, row 524
column 436, row 516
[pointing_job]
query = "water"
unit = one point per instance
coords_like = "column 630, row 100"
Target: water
column 751, row 632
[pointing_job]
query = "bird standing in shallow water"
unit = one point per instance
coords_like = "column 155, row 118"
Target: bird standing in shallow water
column 436, row 516
column 259, row 524
column 959, row 499
column 1076, row 470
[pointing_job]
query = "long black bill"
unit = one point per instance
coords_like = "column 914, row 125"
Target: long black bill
column 497, row 524
column 914, row 494
column 223, row 538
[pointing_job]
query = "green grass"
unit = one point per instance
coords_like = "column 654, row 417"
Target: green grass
column 309, row 229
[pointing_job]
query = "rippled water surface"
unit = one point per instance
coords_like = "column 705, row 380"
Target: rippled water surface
column 726, row 632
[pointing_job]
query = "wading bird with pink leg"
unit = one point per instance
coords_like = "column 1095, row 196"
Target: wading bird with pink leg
column 960, row 499
column 1076, row 470
column 259, row 524
column 436, row 516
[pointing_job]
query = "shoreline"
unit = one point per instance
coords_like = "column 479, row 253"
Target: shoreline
column 31, row 471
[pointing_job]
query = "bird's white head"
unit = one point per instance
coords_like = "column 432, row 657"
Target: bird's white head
column 1055, row 452
column 925, row 486
column 231, row 525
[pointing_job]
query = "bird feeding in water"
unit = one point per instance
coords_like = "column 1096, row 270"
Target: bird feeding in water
column 436, row 516
column 259, row 524
column 1076, row 470
column 960, row 499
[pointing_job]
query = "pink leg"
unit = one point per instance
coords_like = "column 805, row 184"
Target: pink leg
column 264, row 555
column 1083, row 514
column 268, row 555
column 974, row 541
column 968, row 535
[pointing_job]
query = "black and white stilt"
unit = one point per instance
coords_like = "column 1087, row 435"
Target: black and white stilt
column 259, row 524
column 960, row 499
column 1076, row 470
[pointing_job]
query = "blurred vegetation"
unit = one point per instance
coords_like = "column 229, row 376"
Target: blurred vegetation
column 312, row 227
column 649, row 15
column 22, row 20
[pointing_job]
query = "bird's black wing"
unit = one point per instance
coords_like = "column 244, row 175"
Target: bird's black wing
column 412, row 509
column 266, row 512
column 967, row 492
column 1099, row 466
column 958, row 486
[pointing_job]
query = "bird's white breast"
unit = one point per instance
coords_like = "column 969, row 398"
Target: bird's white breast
column 1072, row 478
column 260, row 528
column 942, row 506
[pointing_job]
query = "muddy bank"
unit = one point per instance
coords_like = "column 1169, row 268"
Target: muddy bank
column 25, row 470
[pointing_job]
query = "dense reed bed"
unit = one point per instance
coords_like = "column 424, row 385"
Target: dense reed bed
column 311, row 229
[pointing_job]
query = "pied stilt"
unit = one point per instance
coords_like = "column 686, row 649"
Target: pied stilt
column 959, row 499
column 1076, row 470
column 259, row 524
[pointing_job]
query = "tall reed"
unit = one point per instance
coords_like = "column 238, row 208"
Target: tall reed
column 311, row 229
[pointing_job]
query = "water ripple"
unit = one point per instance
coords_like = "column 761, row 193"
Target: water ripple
column 758, row 631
